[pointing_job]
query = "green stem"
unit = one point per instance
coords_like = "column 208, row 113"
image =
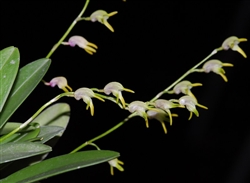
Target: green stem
column 26, row 123
column 103, row 134
column 109, row 98
column 92, row 144
column 68, row 30
column 184, row 75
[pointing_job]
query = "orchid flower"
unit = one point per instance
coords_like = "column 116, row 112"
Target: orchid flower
column 185, row 88
column 140, row 109
column 166, row 106
column 216, row 67
column 190, row 103
column 102, row 17
column 116, row 89
column 161, row 116
column 61, row 82
column 82, row 43
column 86, row 94
column 117, row 164
column 232, row 43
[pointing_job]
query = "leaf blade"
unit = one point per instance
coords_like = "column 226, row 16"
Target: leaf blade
column 27, row 79
column 19, row 150
column 61, row 164
column 9, row 63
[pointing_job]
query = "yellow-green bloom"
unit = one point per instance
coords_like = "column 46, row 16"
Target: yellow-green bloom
column 82, row 43
column 102, row 17
column 86, row 94
column 216, row 67
column 139, row 108
column 191, row 103
column 116, row 89
column 185, row 88
column 117, row 164
column 232, row 43
column 160, row 116
column 166, row 106
column 61, row 82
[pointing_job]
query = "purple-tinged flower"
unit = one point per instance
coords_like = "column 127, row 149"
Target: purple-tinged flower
column 216, row 67
column 82, row 43
column 116, row 89
column 185, row 88
column 61, row 82
column 232, row 43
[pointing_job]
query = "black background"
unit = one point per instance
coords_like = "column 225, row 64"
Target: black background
column 154, row 43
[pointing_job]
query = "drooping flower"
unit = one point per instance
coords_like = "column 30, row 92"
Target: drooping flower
column 160, row 116
column 184, row 87
column 216, row 67
column 82, row 43
column 117, row 164
column 86, row 94
column 232, row 43
column 140, row 109
column 116, row 89
column 166, row 106
column 61, row 82
column 102, row 17
column 191, row 103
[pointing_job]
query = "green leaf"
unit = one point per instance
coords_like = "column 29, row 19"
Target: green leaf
column 10, row 139
column 19, row 150
column 55, row 115
column 22, row 137
column 27, row 79
column 9, row 63
column 48, row 132
column 10, row 126
column 59, row 165
column 27, row 136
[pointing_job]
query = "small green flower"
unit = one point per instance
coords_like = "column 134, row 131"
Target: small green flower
column 190, row 103
column 86, row 94
column 160, row 116
column 82, row 43
column 117, row 164
column 61, row 82
column 185, row 88
column 116, row 89
column 216, row 67
column 139, row 108
column 102, row 17
column 166, row 106
column 232, row 43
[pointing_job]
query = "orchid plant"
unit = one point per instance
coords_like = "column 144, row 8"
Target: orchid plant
column 29, row 140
